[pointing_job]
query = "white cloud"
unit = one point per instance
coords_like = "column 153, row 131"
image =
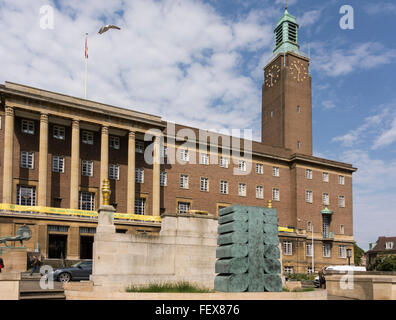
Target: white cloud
column 309, row 18
column 380, row 8
column 387, row 137
column 328, row 104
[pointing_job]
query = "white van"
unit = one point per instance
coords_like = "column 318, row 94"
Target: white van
column 340, row 269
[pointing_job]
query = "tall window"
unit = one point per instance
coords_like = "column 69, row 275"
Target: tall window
column 341, row 201
column 184, row 155
column 260, row 192
column 275, row 171
column 163, row 179
column 342, row 251
column 223, row 187
column 275, row 194
column 114, row 142
column 342, row 229
column 27, row 160
column 242, row 190
column 140, row 206
column 327, row 250
column 325, row 177
column 326, row 226
column 139, row 147
column 204, row 158
column 259, row 168
column 59, row 132
column 27, row 126
column 308, row 174
column 87, row 168
column 389, row 245
column 183, row 207
column 224, row 162
column 139, row 175
column 205, row 184
column 242, row 165
column 341, row 180
column 114, row 172
column 86, row 201
column 88, row 137
column 184, row 181
column 308, row 250
column 309, row 226
column 26, row 196
column 287, row 248
column 58, row 164
column 326, row 199
column 308, row 196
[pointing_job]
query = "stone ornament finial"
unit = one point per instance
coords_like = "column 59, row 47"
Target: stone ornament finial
column 106, row 192
column 269, row 204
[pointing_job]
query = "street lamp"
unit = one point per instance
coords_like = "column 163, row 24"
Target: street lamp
column 349, row 255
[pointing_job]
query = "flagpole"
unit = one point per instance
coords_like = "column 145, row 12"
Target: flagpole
column 86, row 67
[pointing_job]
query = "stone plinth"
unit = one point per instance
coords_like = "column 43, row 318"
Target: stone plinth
column 15, row 260
column 106, row 220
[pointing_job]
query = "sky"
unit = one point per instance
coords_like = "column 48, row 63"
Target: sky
column 200, row 63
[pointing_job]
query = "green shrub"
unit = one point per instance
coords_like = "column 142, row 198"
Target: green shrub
column 179, row 287
column 300, row 277
column 385, row 263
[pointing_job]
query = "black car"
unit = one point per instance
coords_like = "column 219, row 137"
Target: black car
column 80, row 271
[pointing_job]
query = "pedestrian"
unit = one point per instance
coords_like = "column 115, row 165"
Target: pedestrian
column 36, row 265
column 1, row 264
column 322, row 280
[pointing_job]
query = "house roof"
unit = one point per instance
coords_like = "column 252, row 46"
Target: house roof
column 381, row 244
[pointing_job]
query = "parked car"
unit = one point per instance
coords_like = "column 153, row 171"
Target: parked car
column 79, row 271
column 340, row 269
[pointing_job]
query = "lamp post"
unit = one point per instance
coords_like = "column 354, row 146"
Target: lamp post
column 349, row 255
column 313, row 250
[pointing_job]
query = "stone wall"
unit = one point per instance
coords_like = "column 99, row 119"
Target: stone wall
column 184, row 250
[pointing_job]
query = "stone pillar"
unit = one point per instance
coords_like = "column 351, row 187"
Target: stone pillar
column 8, row 154
column 73, row 244
column 104, row 158
column 131, row 173
column 75, row 164
column 43, row 161
column 156, row 177
column 106, row 220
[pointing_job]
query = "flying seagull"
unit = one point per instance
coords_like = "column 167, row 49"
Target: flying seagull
column 107, row 28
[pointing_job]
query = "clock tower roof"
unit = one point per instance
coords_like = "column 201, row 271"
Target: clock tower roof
column 286, row 34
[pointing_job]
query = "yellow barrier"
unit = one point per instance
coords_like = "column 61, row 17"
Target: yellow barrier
column 75, row 213
column 283, row 229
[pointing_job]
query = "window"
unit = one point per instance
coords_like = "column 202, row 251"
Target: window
column 114, row 172
column 63, row 229
column 259, row 168
column 59, row 132
column 326, row 226
column 308, row 251
column 260, row 192
column 164, row 152
column 26, row 196
column 287, row 248
column 87, row 168
column 58, row 164
column 184, row 181
column 205, row 184
column 242, row 190
column 275, row 194
column 27, row 126
column 204, row 158
column 389, row 245
column 114, row 142
column 139, row 175
column 342, row 251
column 309, row 226
column 298, row 109
column 342, row 229
column 140, row 206
column 27, row 160
column 223, row 187
column 223, row 162
column 308, row 174
column 163, row 179
column 88, row 137
column 272, row 114
column 325, row 177
column 242, row 165
column 308, row 196
column 298, row 144
column 86, row 201
column 183, row 207
column 326, row 200
column 275, row 171
column 288, row 270
column 139, row 147
column 326, row 250
column 341, row 201
column 87, row 230
column 184, row 155
column 341, row 180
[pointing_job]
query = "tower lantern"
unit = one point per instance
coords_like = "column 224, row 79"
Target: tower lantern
column 286, row 34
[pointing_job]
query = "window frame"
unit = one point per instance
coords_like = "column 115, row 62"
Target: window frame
column 114, row 168
column 114, row 142
column 89, row 168
column 87, row 137
column 57, row 159
column 59, row 132
column 28, row 126
column 224, row 183
column 184, row 182
column 29, row 157
column 242, row 189
column 91, row 200
column 204, row 184
column 139, row 175
column 261, row 193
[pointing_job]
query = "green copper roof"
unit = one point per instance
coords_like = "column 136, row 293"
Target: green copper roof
column 286, row 34
column 287, row 17
column 326, row 211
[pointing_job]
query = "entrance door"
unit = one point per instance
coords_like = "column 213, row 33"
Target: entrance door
column 57, row 246
column 86, row 246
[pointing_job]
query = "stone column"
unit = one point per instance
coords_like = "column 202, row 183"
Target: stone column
column 131, row 173
column 104, row 159
column 75, row 164
column 8, row 154
column 43, row 161
column 156, row 177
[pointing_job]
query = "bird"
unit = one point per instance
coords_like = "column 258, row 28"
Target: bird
column 108, row 27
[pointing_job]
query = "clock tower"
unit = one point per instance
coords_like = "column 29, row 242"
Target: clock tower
column 287, row 92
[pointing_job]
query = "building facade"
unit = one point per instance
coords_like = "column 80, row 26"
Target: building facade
column 58, row 149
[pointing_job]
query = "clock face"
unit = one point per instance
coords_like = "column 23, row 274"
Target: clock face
column 272, row 75
column 298, row 71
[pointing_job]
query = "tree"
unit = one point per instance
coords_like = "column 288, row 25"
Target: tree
column 357, row 254
column 385, row 263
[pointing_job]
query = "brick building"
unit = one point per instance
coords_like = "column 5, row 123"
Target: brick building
column 385, row 246
column 57, row 149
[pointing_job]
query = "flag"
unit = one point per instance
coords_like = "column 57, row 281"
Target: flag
column 86, row 47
